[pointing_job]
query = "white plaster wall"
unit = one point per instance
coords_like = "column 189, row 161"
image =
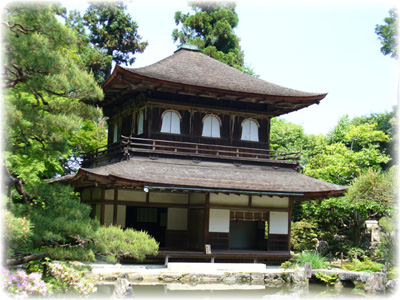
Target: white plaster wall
column 278, row 222
column 109, row 194
column 219, row 220
column 131, row 195
column 177, row 218
column 169, row 198
column 265, row 201
column 121, row 215
column 223, row 199
column 197, row 198
column 108, row 214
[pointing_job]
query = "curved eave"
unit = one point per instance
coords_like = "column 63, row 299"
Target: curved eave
column 125, row 75
column 85, row 178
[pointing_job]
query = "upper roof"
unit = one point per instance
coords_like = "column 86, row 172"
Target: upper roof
column 184, row 174
column 188, row 71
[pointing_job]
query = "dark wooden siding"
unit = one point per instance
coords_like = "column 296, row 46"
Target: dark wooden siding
column 218, row 240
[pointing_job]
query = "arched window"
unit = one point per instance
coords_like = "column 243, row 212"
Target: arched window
column 211, row 126
column 115, row 133
column 140, row 123
column 250, row 130
column 171, row 122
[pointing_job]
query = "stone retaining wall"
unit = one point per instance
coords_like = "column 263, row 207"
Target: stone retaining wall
column 373, row 283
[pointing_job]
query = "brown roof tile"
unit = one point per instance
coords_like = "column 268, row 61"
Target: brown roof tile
column 197, row 69
column 212, row 175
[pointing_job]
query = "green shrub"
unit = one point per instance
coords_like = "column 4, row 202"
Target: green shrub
column 367, row 265
column 115, row 243
column 302, row 235
column 328, row 279
column 18, row 231
column 59, row 217
column 68, row 253
column 286, row 265
column 317, row 260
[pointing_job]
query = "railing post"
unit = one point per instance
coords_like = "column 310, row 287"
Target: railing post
column 154, row 145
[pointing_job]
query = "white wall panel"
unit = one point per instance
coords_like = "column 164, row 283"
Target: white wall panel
column 219, row 220
column 130, row 195
column 229, row 200
column 278, row 222
column 265, row 201
column 121, row 215
column 108, row 214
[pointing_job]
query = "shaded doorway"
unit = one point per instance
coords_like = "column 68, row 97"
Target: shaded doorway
column 247, row 235
column 150, row 219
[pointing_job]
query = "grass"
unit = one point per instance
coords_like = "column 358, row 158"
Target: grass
column 317, row 260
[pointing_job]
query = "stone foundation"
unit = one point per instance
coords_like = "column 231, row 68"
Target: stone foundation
column 372, row 283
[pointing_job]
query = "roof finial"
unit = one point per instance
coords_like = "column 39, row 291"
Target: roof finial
column 188, row 46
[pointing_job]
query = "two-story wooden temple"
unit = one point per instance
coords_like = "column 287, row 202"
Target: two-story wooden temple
column 188, row 159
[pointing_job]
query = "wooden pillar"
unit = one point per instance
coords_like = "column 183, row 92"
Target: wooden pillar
column 268, row 133
column 207, row 218
column 290, row 222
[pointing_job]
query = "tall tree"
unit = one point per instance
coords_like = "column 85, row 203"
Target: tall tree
column 211, row 27
column 357, row 152
column 47, row 95
column 96, row 60
column 388, row 34
column 113, row 31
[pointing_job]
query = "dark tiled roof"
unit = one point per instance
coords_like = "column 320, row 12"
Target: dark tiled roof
column 209, row 175
column 197, row 69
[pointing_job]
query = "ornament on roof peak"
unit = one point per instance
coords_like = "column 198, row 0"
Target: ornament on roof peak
column 188, row 46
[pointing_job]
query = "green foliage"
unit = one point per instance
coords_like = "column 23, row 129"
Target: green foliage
column 340, row 165
column 388, row 34
column 302, row 234
column 41, row 54
column 340, row 220
column 48, row 89
column 52, row 226
column 287, row 136
column 18, row 231
column 113, row 31
column 71, row 254
column 286, row 265
column 316, row 259
column 374, row 191
column 328, row 279
column 115, row 243
column 387, row 250
column 211, row 27
column 366, row 265
column 93, row 59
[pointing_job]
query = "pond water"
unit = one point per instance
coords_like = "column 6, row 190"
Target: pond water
column 223, row 291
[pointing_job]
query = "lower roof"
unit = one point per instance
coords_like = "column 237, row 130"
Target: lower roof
column 189, row 175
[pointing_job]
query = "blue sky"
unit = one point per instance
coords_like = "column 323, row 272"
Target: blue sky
column 314, row 46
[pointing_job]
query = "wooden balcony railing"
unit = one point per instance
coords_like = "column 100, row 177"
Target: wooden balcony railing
column 194, row 150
